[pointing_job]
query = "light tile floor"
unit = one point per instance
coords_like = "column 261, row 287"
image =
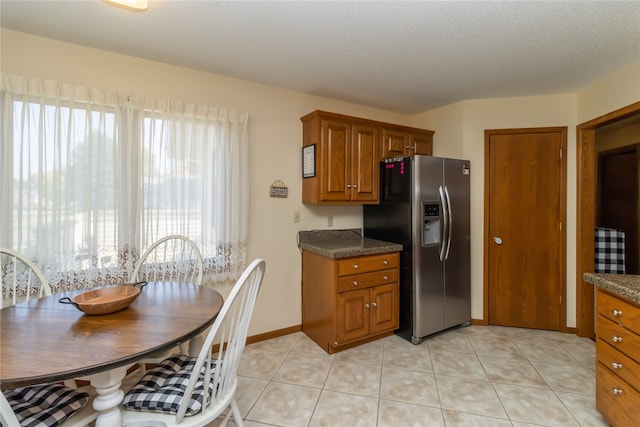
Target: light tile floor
column 473, row 376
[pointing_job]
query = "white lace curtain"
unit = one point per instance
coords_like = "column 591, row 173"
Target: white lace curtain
column 90, row 178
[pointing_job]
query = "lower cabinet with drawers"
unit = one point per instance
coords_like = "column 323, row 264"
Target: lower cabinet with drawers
column 618, row 359
column 349, row 301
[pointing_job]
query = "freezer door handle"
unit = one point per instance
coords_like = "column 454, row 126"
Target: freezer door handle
column 449, row 226
column 445, row 215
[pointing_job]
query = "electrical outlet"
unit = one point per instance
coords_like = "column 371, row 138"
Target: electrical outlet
column 296, row 216
column 330, row 221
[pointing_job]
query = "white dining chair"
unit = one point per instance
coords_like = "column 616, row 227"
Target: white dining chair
column 46, row 405
column 188, row 391
column 20, row 279
column 173, row 258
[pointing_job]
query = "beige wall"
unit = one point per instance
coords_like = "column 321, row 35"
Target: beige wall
column 625, row 132
column 275, row 140
column 275, row 135
column 460, row 133
column 618, row 90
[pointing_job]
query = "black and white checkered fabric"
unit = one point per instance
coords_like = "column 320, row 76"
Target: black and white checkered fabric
column 161, row 388
column 609, row 251
column 45, row 405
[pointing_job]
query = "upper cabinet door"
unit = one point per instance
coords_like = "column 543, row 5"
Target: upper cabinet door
column 421, row 142
column 395, row 143
column 365, row 163
column 335, row 161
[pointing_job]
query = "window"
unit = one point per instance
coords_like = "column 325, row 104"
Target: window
column 95, row 177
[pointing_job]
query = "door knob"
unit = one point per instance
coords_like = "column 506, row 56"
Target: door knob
column 497, row 240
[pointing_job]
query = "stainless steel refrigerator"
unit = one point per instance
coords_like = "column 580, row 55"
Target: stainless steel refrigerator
column 425, row 206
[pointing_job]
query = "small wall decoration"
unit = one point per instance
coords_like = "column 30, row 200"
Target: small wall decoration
column 279, row 189
column 309, row 161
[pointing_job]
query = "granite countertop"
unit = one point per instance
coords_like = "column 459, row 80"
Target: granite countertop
column 343, row 243
column 624, row 285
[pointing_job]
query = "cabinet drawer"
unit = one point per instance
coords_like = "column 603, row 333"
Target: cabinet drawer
column 365, row 280
column 618, row 337
column 620, row 311
column 616, row 399
column 366, row 264
column 619, row 363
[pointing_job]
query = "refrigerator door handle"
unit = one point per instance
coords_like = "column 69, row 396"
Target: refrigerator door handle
column 445, row 215
column 449, row 225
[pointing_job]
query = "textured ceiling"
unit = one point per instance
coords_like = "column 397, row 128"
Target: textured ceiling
column 407, row 57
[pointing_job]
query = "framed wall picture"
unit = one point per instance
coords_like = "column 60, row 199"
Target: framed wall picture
column 309, row 161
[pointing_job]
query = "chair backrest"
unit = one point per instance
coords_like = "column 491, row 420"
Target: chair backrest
column 20, row 279
column 173, row 258
column 229, row 333
column 7, row 416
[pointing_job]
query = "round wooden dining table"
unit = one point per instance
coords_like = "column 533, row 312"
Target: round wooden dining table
column 44, row 341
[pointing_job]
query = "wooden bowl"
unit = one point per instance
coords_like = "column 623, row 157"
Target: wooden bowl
column 105, row 300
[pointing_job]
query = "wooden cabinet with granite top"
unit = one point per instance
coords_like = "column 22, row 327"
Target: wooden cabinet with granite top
column 618, row 359
column 349, row 301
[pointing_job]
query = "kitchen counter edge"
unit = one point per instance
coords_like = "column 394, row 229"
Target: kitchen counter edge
column 626, row 286
column 346, row 248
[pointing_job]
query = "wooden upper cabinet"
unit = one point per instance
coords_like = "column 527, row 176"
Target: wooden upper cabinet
column 403, row 142
column 365, row 164
column 335, row 161
column 421, row 142
column 348, row 151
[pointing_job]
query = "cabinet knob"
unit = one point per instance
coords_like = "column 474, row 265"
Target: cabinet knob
column 617, row 391
column 385, row 262
column 366, row 305
column 374, row 304
column 355, row 185
column 617, row 313
column 616, row 339
column 355, row 266
column 386, row 278
column 616, row 365
column 348, row 185
column 355, row 283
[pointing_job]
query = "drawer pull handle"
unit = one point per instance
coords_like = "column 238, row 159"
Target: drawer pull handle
column 355, row 266
column 617, row 313
column 355, row 283
column 617, row 391
column 616, row 365
column 374, row 304
column 386, row 277
column 386, row 262
column 616, row 339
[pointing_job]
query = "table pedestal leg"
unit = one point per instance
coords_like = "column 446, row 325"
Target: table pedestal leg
column 107, row 385
column 195, row 344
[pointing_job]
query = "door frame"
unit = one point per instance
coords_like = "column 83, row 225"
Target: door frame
column 563, row 216
column 586, row 213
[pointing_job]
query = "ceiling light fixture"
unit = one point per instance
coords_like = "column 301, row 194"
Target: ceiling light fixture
column 135, row 5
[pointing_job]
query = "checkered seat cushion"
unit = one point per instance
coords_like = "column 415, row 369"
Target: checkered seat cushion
column 609, row 251
column 162, row 388
column 45, row 405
